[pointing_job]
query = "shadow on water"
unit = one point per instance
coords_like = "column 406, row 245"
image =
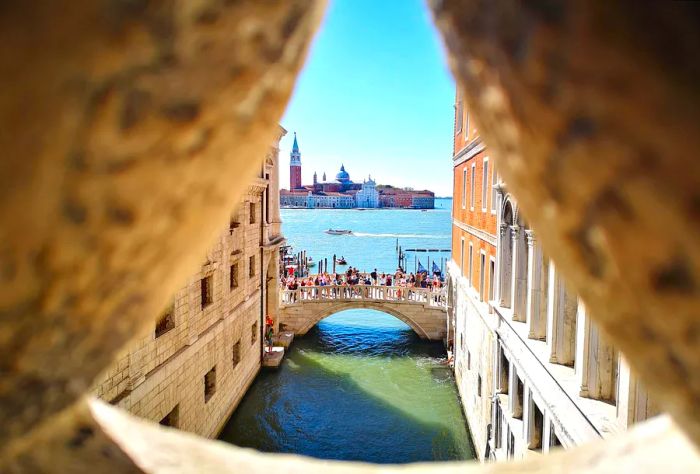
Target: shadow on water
column 354, row 393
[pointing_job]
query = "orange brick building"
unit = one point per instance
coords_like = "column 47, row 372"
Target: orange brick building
column 474, row 206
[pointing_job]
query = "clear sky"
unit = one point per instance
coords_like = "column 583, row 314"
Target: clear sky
column 375, row 95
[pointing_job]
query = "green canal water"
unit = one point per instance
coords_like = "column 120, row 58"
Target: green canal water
column 360, row 385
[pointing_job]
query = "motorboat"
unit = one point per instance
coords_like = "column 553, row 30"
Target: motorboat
column 338, row 232
column 310, row 262
column 341, row 261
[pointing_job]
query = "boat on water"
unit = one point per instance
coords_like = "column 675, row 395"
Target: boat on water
column 338, row 232
column 341, row 261
column 310, row 262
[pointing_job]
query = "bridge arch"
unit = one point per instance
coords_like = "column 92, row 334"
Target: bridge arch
column 330, row 309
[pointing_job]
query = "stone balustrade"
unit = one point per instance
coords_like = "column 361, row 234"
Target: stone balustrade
column 395, row 294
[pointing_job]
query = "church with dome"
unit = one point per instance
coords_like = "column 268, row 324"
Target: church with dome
column 343, row 193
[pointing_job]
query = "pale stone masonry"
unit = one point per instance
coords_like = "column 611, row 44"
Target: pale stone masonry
column 192, row 370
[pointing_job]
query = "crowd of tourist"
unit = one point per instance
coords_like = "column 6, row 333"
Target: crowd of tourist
column 354, row 279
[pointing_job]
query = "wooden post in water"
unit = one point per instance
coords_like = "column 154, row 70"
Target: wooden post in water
column 334, row 259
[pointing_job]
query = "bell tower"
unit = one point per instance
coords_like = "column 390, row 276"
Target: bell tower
column 295, row 166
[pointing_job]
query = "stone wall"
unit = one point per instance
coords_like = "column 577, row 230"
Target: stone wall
column 163, row 373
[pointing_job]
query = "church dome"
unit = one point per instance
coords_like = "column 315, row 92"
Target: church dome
column 343, row 175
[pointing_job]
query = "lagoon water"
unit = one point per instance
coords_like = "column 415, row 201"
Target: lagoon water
column 360, row 385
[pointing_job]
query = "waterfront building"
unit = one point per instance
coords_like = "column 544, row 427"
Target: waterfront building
column 533, row 371
column 344, row 193
column 368, row 196
column 192, row 369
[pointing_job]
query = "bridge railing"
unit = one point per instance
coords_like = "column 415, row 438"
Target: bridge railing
column 424, row 296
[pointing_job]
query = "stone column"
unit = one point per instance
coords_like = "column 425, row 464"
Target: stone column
column 596, row 360
column 561, row 320
column 499, row 244
column 536, row 312
column 513, row 397
column 505, row 262
column 518, row 274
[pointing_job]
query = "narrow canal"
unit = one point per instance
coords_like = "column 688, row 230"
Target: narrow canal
column 360, row 385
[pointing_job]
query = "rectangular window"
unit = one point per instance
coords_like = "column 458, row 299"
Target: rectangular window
column 471, row 263
column 251, row 266
column 233, row 277
column 460, row 115
column 466, row 125
column 464, row 188
column 461, row 257
column 536, row 427
column 492, row 277
column 482, row 277
column 485, row 186
column 518, row 399
column 254, row 332
column 252, row 213
column 166, row 322
column 173, row 418
column 494, row 194
column 503, row 370
column 207, row 290
column 236, row 354
column 478, row 384
column 471, row 188
column 209, row 384
column 469, row 360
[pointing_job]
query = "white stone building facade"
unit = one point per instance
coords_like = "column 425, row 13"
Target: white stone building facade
column 533, row 370
column 368, row 196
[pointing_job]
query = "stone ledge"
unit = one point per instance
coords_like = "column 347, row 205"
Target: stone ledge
column 644, row 449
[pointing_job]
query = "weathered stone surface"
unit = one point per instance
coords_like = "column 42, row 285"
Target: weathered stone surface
column 644, row 450
column 128, row 131
column 591, row 111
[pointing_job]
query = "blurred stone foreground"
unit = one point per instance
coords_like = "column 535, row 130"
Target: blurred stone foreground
column 131, row 127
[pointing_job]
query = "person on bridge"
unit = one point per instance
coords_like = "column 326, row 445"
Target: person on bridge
column 374, row 276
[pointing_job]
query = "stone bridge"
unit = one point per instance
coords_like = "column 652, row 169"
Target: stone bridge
column 424, row 310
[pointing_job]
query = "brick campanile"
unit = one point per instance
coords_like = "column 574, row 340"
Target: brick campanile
column 295, row 166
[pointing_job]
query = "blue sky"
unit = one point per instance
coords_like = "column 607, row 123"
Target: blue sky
column 375, row 95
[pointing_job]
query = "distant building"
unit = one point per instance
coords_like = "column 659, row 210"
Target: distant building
column 368, row 196
column 343, row 193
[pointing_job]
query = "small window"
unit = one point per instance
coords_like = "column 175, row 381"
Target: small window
column 485, row 186
column 518, row 399
column 233, row 277
column 166, row 322
column 236, row 354
column 471, row 187
column 251, row 266
column 207, row 291
column 252, row 213
column 233, row 224
column 536, row 430
column 460, row 115
column 494, row 195
column 469, row 360
column 209, row 384
column 461, row 257
column 464, row 188
column 172, row 419
column 254, row 332
column 461, row 341
column 471, row 262
column 478, row 385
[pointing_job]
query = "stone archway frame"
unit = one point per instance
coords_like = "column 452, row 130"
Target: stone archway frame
column 381, row 307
